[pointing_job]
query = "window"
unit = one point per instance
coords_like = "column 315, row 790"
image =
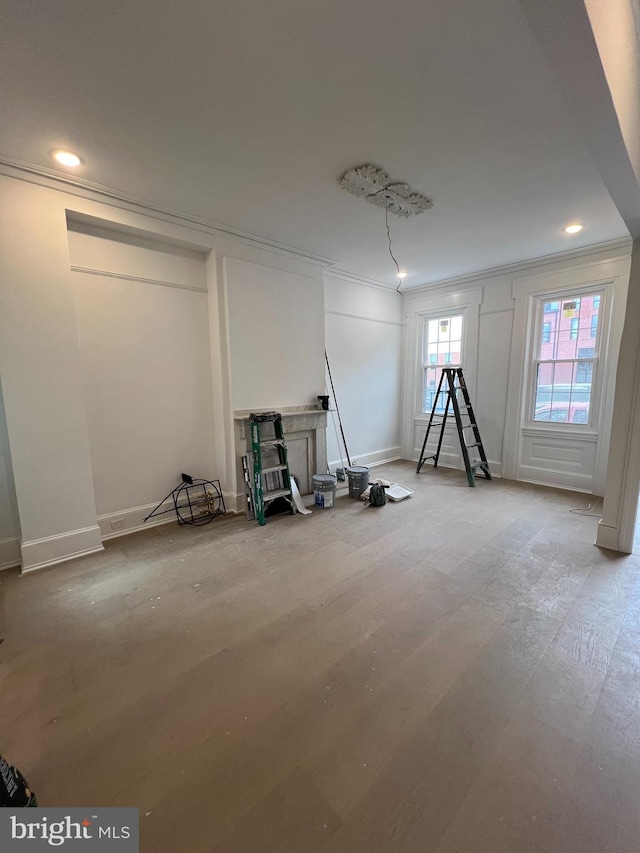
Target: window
column 575, row 322
column 442, row 346
column 584, row 371
column 551, row 306
column 566, row 360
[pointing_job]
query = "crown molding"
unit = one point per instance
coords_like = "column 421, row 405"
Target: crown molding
column 620, row 246
column 335, row 272
column 41, row 176
column 90, row 191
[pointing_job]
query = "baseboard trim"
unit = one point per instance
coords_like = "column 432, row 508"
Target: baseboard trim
column 370, row 460
column 449, row 460
column 9, row 553
column 50, row 550
column 133, row 518
column 559, row 479
column 236, row 503
column 609, row 537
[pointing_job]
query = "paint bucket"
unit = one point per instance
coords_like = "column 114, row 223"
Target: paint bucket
column 324, row 490
column 358, row 480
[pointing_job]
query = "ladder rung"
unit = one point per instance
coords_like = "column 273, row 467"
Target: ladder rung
column 477, row 444
column 278, row 493
column 272, row 470
column 272, row 442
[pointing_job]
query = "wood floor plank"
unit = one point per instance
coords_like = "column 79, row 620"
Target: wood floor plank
column 347, row 770
column 293, row 816
column 603, row 812
column 211, row 693
column 516, row 802
column 469, row 646
column 590, row 643
column 417, row 796
column 563, row 694
column 306, row 725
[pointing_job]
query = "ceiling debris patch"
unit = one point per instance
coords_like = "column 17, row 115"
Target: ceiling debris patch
column 374, row 185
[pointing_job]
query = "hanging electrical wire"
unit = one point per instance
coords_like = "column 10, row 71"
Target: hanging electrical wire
column 386, row 222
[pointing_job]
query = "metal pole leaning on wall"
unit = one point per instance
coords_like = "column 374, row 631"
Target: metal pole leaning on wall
column 335, row 429
column 335, row 400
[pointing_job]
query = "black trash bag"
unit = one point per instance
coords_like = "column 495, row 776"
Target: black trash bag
column 14, row 791
column 377, row 495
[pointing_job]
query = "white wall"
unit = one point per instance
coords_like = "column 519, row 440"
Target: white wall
column 144, row 342
column 41, row 378
column 158, row 259
column 42, row 368
column 268, row 309
column 106, row 342
column 9, row 522
column 615, row 26
column 616, row 528
column 276, row 333
column 494, row 392
column 364, row 343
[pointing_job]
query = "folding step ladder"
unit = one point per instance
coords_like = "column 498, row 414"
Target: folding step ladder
column 268, row 464
column 461, row 409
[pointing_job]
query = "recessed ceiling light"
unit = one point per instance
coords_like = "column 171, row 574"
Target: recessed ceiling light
column 402, row 275
column 66, row 158
column 573, row 229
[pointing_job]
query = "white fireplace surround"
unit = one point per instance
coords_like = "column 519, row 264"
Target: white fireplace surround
column 305, row 435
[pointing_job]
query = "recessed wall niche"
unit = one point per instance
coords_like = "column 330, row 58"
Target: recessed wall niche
column 141, row 307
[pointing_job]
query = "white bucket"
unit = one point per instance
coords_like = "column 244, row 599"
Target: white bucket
column 358, row 480
column 324, row 490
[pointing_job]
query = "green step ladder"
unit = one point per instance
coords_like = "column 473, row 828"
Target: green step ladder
column 454, row 382
column 268, row 464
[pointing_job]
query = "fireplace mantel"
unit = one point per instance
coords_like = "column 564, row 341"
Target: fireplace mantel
column 305, row 434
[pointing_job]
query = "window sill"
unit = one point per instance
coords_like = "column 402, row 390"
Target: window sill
column 574, row 432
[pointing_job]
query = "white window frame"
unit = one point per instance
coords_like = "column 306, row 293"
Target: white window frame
column 608, row 276
column 437, row 315
column 536, row 331
column 436, row 302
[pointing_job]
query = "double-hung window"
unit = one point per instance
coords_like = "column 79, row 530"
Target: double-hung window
column 442, row 347
column 566, row 363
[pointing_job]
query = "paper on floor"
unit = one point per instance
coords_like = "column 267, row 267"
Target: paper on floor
column 297, row 499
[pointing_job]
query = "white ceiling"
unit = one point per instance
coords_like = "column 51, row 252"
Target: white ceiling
column 245, row 113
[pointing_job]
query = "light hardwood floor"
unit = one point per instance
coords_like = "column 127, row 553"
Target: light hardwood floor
column 456, row 673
